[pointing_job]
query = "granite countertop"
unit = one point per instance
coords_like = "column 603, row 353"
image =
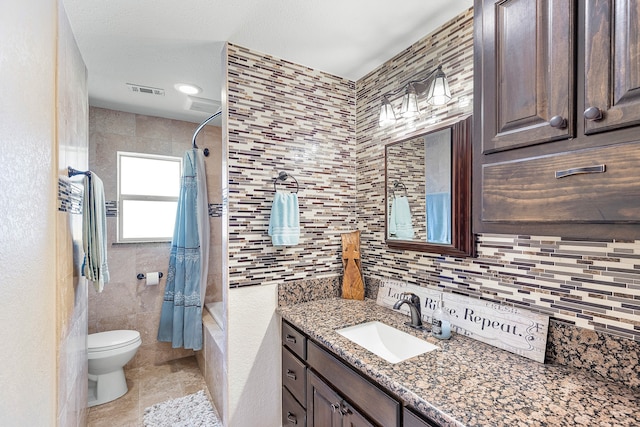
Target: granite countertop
column 467, row 382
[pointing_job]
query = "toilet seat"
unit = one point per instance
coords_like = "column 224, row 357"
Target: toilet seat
column 112, row 340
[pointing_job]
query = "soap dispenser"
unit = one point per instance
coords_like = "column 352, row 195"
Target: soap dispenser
column 440, row 322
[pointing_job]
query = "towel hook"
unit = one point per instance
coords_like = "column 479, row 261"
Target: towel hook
column 282, row 176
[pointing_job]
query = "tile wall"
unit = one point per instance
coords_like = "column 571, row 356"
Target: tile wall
column 286, row 117
column 126, row 303
column 71, row 289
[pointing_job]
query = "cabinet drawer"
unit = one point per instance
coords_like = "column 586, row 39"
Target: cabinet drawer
column 294, row 340
column 528, row 191
column 294, row 376
column 366, row 396
column 413, row 420
column 292, row 413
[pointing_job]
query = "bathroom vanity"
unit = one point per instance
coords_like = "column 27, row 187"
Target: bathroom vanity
column 329, row 380
column 318, row 389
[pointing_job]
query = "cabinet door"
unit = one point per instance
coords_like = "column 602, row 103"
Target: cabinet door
column 612, row 64
column 326, row 408
column 352, row 418
column 527, row 72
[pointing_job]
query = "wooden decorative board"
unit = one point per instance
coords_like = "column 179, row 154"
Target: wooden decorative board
column 516, row 330
column 352, row 283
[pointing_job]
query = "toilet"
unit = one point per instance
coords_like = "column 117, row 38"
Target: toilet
column 108, row 353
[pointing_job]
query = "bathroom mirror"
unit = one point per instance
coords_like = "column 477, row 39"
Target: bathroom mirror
column 428, row 190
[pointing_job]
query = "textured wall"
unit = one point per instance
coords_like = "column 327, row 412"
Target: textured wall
column 592, row 284
column 286, row 117
column 27, row 212
column 71, row 302
column 126, row 303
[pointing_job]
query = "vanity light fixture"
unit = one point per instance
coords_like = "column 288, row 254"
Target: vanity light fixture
column 387, row 115
column 435, row 86
column 409, row 107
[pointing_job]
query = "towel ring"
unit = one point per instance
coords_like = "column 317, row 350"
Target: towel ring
column 282, row 176
column 397, row 185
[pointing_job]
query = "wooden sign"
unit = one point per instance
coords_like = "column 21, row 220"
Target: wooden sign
column 516, row 330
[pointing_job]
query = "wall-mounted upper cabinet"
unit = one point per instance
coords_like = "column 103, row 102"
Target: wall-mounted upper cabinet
column 612, row 64
column 557, row 106
column 529, row 72
column 527, row 64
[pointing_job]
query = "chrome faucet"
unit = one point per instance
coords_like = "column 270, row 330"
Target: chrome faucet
column 414, row 307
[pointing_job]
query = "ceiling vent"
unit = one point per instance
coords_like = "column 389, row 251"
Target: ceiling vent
column 145, row 89
column 203, row 105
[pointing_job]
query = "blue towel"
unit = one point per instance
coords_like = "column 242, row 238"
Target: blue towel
column 400, row 222
column 284, row 223
column 94, row 232
column 439, row 218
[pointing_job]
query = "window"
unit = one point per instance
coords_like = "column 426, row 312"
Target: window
column 148, row 190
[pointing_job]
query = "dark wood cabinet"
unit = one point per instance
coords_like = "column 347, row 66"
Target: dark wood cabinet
column 320, row 390
column 327, row 408
column 612, row 64
column 294, row 377
column 557, row 105
column 377, row 404
column 527, row 61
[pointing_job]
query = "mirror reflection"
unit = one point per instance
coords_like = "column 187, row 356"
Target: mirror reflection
column 419, row 199
column 428, row 191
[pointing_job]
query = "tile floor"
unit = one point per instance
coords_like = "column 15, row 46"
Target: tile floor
column 148, row 385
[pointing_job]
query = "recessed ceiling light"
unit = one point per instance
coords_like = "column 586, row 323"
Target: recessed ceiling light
column 187, row 88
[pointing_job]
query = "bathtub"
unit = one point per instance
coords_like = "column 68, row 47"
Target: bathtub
column 212, row 359
column 216, row 310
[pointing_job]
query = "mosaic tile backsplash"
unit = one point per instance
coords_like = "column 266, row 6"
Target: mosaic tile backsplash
column 287, row 117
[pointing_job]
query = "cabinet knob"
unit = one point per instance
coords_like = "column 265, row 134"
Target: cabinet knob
column 335, row 407
column 558, row 122
column 593, row 113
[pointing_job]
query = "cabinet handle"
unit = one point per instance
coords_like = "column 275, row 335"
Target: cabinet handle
column 335, row 407
column 292, row 418
column 290, row 338
column 593, row 114
column 576, row 171
column 558, row 122
column 344, row 409
column 291, row 374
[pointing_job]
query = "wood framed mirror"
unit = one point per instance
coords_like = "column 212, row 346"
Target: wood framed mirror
column 428, row 190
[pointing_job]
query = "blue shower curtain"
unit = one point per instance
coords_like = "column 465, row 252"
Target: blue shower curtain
column 181, row 315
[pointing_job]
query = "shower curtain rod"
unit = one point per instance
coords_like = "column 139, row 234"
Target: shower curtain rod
column 203, row 124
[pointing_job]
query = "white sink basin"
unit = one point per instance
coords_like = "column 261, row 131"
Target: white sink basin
column 386, row 341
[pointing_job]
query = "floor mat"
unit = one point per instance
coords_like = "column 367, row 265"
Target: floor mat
column 194, row 410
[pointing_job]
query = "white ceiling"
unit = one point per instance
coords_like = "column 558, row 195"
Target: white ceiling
column 158, row 43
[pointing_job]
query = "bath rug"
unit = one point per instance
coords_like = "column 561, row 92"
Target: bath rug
column 194, row 410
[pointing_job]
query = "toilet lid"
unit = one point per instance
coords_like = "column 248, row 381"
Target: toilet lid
column 110, row 340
